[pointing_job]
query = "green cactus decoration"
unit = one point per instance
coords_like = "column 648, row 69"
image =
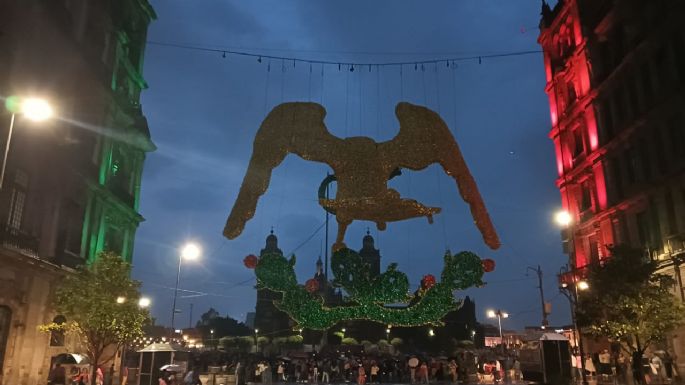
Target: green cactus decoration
column 367, row 296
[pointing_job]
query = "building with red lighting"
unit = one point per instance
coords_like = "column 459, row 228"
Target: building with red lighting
column 615, row 73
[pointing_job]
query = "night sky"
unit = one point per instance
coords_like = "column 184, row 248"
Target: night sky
column 204, row 110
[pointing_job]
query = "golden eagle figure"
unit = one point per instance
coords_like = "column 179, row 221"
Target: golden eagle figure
column 362, row 167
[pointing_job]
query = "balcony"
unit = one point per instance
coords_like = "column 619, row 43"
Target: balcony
column 17, row 240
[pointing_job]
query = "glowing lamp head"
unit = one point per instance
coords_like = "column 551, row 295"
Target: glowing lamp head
column 564, row 285
column 256, row 331
column 144, row 302
column 121, row 300
column 563, row 218
column 505, row 315
column 190, row 252
column 387, row 331
column 583, row 285
column 491, row 314
column 431, row 332
column 36, row 109
column 343, row 330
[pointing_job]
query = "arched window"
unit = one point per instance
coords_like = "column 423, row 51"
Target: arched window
column 57, row 336
column 5, row 318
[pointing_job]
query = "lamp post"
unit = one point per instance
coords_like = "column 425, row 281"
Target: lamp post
column 499, row 314
column 33, row 109
column 190, row 252
column 570, row 290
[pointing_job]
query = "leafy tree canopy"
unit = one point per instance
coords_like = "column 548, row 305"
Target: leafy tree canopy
column 88, row 299
column 628, row 300
column 222, row 326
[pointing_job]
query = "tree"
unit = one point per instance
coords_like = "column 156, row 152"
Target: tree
column 222, row 326
column 629, row 301
column 100, row 304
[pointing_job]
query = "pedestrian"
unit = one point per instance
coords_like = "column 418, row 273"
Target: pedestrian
column 361, row 377
column 423, row 373
column 638, row 376
column 453, row 371
column 517, row 369
column 668, row 365
column 164, row 377
column 280, row 372
column 315, row 372
column 326, row 369
column 374, row 372
column 99, row 377
column 58, row 375
column 413, row 364
column 266, row 373
column 605, row 364
column 590, row 365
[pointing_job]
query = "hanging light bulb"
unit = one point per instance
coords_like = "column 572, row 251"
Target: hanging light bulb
column 223, row 55
column 259, row 60
column 352, row 68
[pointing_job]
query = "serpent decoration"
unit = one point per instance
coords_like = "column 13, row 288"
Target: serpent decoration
column 368, row 297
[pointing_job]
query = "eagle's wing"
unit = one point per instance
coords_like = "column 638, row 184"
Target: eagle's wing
column 296, row 128
column 424, row 139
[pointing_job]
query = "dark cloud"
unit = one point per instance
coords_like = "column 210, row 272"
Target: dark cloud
column 204, row 109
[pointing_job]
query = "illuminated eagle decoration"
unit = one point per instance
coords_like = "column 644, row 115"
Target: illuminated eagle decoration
column 362, row 167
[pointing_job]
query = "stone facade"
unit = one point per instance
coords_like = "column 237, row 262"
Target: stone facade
column 72, row 183
column 615, row 74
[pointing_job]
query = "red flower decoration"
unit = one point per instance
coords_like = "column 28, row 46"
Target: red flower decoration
column 251, row 261
column 428, row 281
column 311, row 285
column 488, row 265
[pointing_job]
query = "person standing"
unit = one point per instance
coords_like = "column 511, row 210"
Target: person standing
column 266, row 373
column 605, row 364
column 280, row 372
column 361, row 375
column 423, row 373
column 325, row 369
column 453, row 371
column 590, row 365
column 413, row 364
column 374, row 372
column 315, row 372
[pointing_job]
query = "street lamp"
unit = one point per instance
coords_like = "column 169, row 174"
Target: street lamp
column 34, row 109
column 121, row 300
column 144, row 302
column 189, row 252
column 563, row 218
column 570, row 290
column 499, row 314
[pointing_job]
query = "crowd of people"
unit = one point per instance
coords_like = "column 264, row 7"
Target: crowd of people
column 365, row 369
column 656, row 367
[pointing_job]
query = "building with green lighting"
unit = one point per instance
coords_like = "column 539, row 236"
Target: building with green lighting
column 72, row 183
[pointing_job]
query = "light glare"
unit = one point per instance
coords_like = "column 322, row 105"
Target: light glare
column 583, row 285
column 563, row 218
column 144, row 302
column 190, row 252
column 36, row 109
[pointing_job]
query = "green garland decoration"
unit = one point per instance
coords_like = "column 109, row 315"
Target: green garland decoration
column 367, row 295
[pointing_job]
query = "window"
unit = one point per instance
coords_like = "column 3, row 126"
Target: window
column 642, row 228
column 586, row 196
column 676, row 135
column 594, row 249
column 5, row 318
column 670, row 214
column 57, row 336
column 17, row 200
column 646, row 78
column 579, row 147
column 114, row 240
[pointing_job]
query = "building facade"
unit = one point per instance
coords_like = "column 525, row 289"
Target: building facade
column 615, row 74
column 72, row 183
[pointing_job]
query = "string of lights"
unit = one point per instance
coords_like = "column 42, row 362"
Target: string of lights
column 350, row 65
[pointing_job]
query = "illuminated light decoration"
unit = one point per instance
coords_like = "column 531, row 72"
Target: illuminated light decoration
column 361, row 165
column 428, row 281
column 312, row 285
column 488, row 265
column 251, row 261
column 368, row 295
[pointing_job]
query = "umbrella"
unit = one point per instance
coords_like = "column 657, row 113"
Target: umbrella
column 171, row 368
